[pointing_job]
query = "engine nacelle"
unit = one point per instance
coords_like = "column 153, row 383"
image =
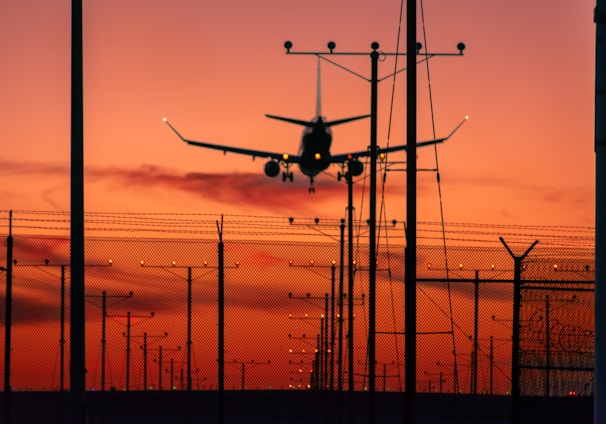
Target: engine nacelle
column 355, row 167
column 272, row 168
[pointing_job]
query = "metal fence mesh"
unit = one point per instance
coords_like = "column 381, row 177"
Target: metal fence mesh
column 152, row 320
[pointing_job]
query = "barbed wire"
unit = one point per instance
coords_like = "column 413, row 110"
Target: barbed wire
column 203, row 224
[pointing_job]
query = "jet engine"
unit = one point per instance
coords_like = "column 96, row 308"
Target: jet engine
column 355, row 167
column 272, row 168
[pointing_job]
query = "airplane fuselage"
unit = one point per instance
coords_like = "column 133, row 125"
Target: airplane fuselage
column 315, row 148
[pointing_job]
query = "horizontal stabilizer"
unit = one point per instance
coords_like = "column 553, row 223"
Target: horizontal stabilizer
column 291, row 120
column 313, row 122
column 344, row 120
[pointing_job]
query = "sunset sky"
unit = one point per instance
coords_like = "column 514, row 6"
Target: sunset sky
column 214, row 69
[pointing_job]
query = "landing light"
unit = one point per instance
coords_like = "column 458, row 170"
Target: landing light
column 285, row 156
column 318, row 156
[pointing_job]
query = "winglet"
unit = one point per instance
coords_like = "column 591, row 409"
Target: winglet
column 460, row 124
column 174, row 130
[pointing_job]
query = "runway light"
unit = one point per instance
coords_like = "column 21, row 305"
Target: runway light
column 429, row 266
column 492, row 267
column 142, row 263
column 110, row 261
column 555, row 267
column 174, row 263
column 460, row 266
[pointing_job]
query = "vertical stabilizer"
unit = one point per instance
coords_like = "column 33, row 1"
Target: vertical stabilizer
column 319, row 93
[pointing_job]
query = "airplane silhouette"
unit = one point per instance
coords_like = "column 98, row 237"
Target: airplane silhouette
column 314, row 154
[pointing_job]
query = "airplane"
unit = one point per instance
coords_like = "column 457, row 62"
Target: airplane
column 314, row 153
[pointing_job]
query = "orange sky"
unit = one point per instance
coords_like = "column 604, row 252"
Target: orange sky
column 215, row 68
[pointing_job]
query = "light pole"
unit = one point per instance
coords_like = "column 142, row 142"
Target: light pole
column 375, row 54
column 104, row 297
column 189, row 279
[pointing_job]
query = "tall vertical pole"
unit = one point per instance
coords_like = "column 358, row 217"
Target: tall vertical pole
column 410, row 253
column 325, row 347
column 491, row 359
column 103, row 339
column 62, row 334
column 340, row 329
column 599, row 379
column 372, row 234
column 547, row 348
column 221, row 319
column 77, row 330
column 189, row 342
column 332, row 325
column 515, row 337
column 144, row 361
column 160, row 367
column 127, row 351
column 350, row 289
column 8, row 320
column 474, row 364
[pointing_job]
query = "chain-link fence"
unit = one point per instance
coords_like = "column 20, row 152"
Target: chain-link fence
column 294, row 319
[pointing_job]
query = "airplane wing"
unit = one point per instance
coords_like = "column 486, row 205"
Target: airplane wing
column 250, row 152
column 340, row 158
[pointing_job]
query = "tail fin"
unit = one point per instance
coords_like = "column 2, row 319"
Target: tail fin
column 318, row 110
column 319, row 92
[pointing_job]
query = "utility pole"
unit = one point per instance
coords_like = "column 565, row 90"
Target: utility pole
column 243, row 365
column 116, row 299
column 129, row 318
column 172, row 270
column 515, row 338
column 599, row 393
column 375, row 54
column 144, row 347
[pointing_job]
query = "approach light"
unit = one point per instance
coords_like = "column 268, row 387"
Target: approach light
column 174, row 263
column 382, row 155
column 331, row 46
column 287, row 46
column 555, row 267
column 419, row 47
column 334, row 262
column 142, row 263
column 374, row 45
column 460, row 266
column 285, row 156
column 110, row 261
column 164, row 119
column 461, row 47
